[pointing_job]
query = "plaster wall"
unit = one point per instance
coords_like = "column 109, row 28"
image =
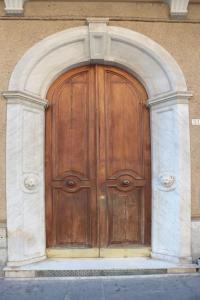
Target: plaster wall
column 42, row 18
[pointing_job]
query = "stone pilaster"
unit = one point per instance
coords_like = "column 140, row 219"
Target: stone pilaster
column 24, row 177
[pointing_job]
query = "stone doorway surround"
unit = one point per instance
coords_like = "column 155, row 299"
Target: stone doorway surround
column 168, row 103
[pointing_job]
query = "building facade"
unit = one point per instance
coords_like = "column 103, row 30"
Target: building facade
column 99, row 130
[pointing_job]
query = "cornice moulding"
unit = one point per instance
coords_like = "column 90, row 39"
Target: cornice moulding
column 179, row 96
column 22, row 97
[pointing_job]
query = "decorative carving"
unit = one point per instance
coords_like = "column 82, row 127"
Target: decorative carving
column 166, row 181
column 71, row 182
column 31, row 182
column 125, row 180
column 98, row 38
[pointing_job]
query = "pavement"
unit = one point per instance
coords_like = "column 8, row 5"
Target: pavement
column 144, row 287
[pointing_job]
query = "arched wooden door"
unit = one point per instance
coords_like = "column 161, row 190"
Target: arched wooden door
column 97, row 163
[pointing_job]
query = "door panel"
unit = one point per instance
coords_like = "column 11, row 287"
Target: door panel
column 72, row 213
column 123, row 115
column 71, row 125
column 125, row 161
column 97, row 161
column 124, row 217
column 71, row 161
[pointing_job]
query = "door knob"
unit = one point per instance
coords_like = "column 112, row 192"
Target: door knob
column 71, row 183
column 126, row 182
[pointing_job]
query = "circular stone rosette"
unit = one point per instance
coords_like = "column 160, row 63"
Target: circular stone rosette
column 31, row 182
column 167, row 181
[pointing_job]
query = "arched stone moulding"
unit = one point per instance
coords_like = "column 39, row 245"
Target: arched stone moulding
column 168, row 102
column 97, row 43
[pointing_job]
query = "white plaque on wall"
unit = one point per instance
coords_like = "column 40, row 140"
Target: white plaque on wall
column 196, row 122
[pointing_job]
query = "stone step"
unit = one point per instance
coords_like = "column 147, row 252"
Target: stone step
column 98, row 267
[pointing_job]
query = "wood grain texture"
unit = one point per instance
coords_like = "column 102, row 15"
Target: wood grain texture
column 98, row 190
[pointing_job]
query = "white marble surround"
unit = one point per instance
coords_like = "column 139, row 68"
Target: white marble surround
column 168, row 103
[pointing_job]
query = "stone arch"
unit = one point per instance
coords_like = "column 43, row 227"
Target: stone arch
column 42, row 63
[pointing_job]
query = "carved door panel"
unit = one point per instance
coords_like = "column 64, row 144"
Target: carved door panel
column 97, row 161
column 71, row 161
column 124, row 161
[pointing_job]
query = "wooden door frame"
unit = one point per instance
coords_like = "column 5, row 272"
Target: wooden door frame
column 168, row 101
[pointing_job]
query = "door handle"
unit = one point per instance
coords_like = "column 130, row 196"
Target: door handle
column 125, row 182
column 71, row 183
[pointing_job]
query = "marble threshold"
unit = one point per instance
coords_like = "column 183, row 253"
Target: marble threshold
column 84, row 267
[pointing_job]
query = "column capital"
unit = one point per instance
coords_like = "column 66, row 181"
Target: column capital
column 18, row 97
column 173, row 96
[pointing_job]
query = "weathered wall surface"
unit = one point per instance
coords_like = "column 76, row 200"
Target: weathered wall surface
column 42, row 18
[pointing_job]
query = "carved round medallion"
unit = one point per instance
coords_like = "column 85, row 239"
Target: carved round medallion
column 167, row 181
column 31, row 182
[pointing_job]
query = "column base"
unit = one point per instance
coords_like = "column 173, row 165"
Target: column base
column 172, row 258
column 25, row 261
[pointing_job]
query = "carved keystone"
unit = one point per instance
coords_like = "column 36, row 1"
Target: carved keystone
column 98, row 38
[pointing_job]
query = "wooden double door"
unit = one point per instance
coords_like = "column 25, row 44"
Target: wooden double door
column 97, row 162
